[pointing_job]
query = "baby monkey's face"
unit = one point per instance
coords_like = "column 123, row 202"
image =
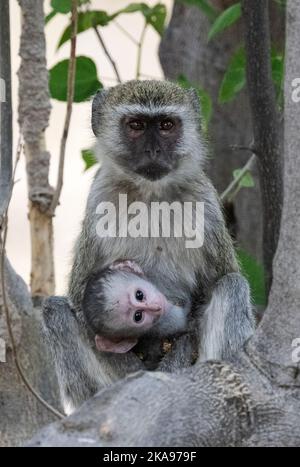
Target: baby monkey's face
column 133, row 306
column 139, row 305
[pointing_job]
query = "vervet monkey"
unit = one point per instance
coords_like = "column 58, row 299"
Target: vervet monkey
column 151, row 148
column 120, row 306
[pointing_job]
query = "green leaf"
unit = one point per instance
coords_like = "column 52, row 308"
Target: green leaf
column 86, row 20
column 155, row 16
column 65, row 6
column 204, row 97
column 86, row 79
column 206, row 105
column 254, row 272
column 277, row 71
column 50, row 16
column 281, row 3
column 61, row 6
column 225, row 20
column 205, row 7
column 235, row 77
column 246, row 181
column 89, row 158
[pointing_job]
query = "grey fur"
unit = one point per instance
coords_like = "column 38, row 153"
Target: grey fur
column 178, row 272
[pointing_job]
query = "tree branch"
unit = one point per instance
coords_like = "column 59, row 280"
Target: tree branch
column 16, row 359
column 34, row 113
column 108, row 55
column 5, row 110
column 70, row 98
column 266, row 127
column 234, row 184
column 139, row 53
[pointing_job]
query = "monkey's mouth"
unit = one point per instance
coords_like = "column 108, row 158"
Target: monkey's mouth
column 153, row 171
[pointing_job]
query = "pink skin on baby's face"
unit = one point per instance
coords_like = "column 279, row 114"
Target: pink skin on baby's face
column 141, row 304
column 138, row 305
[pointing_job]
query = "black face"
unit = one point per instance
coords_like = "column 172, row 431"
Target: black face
column 151, row 143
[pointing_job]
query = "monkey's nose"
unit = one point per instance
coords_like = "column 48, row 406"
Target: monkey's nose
column 152, row 153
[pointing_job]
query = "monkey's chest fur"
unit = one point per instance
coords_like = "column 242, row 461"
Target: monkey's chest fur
column 165, row 260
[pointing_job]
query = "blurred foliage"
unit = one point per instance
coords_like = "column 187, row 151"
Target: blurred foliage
column 86, row 20
column 246, row 181
column 254, row 272
column 204, row 98
column 226, row 19
column 235, row 77
column 89, row 158
column 205, row 6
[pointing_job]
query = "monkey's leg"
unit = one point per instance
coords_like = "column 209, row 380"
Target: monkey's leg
column 180, row 356
column 80, row 373
column 228, row 320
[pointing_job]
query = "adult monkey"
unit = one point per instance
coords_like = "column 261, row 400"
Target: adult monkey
column 151, row 149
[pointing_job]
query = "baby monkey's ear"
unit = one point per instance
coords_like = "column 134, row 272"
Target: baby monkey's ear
column 107, row 345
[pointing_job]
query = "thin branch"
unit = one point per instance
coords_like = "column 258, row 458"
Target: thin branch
column 6, row 310
column 235, row 183
column 127, row 34
column 108, row 55
column 139, row 53
column 70, row 98
column 266, row 125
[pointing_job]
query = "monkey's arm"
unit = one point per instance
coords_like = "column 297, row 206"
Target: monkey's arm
column 80, row 374
column 227, row 321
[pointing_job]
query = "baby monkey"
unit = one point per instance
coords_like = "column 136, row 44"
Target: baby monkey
column 120, row 306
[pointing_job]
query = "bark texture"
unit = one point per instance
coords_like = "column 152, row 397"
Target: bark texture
column 185, row 50
column 21, row 414
column 34, row 112
column 251, row 401
column 266, row 128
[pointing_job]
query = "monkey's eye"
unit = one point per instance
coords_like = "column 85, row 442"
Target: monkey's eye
column 138, row 316
column 137, row 125
column 139, row 295
column 166, row 125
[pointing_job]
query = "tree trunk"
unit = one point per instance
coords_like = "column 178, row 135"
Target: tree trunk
column 21, row 413
column 34, row 111
column 185, row 50
column 253, row 400
column 5, row 109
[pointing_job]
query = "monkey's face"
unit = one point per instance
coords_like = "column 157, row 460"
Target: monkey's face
column 149, row 129
column 151, row 144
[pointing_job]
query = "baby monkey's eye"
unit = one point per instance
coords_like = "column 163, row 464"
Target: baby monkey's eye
column 139, row 295
column 138, row 316
column 137, row 125
column 166, row 125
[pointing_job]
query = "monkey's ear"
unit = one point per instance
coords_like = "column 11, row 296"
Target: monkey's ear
column 97, row 105
column 106, row 345
column 195, row 101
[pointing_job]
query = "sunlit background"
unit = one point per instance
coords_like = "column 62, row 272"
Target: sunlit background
column 77, row 181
